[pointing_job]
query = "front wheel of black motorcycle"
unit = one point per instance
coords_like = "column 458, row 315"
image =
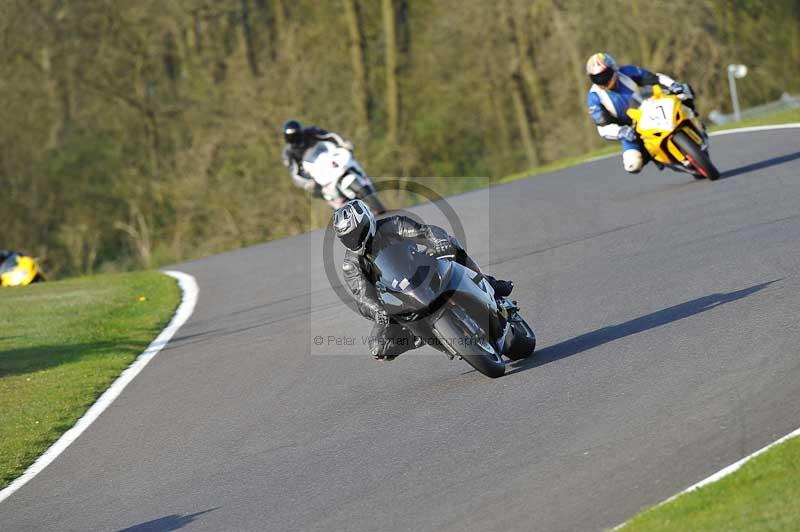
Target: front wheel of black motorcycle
column 699, row 159
column 522, row 341
column 482, row 356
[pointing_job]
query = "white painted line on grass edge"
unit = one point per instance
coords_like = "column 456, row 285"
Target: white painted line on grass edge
column 188, row 286
column 791, row 125
column 724, row 472
column 731, row 468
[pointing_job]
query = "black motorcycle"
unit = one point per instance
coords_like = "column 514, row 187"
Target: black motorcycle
column 451, row 307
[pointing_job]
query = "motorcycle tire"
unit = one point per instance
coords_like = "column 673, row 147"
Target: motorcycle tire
column 699, row 159
column 473, row 349
column 483, row 357
column 523, row 340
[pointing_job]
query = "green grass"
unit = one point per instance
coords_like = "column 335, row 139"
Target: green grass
column 61, row 345
column 763, row 495
column 613, row 147
column 781, row 117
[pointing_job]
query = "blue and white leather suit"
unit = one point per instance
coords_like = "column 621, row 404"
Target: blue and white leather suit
column 607, row 108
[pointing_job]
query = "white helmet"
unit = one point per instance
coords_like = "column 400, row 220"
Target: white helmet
column 355, row 225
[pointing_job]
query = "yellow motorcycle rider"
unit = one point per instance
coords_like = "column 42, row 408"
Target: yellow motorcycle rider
column 613, row 89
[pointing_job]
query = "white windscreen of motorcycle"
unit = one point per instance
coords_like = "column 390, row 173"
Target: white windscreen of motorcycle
column 658, row 114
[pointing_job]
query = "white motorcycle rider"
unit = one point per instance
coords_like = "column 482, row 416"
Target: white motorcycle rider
column 322, row 163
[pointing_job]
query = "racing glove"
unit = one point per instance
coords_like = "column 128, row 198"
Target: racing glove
column 381, row 317
column 627, row 133
column 680, row 88
column 441, row 243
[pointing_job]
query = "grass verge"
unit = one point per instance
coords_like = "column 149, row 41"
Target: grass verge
column 61, row 345
column 787, row 116
column 762, row 495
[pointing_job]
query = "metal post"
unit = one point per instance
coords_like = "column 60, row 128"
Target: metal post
column 735, row 71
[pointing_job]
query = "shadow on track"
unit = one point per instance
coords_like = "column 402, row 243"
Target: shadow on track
column 30, row 359
column 166, row 524
column 761, row 165
column 596, row 338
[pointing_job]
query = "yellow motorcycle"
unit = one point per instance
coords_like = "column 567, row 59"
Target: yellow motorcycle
column 19, row 270
column 671, row 132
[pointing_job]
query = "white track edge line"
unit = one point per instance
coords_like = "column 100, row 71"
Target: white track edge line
column 788, row 125
column 724, row 472
column 189, row 290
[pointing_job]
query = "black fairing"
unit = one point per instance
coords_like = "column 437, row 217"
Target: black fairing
column 417, row 289
column 408, row 279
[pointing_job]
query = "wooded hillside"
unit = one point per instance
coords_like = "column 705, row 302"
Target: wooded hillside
column 138, row 132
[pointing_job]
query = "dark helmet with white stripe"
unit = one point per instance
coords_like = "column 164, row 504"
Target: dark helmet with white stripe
column 292, row 131
column 355, row 225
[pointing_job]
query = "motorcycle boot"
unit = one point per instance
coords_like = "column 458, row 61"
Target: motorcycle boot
column 501, row 288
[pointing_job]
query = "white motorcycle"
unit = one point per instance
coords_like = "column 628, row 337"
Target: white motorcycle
column 340, row 176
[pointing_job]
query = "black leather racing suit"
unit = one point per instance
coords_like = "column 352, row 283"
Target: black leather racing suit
column 389, row 339
column 293, row 155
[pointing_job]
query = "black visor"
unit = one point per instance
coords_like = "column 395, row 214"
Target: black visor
column 355, row 238
column 603, row 77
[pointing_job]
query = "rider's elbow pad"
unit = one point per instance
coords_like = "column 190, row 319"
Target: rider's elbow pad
column 609, row 131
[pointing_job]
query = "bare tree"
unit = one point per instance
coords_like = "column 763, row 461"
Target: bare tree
column 392, row 92
column 361, row 96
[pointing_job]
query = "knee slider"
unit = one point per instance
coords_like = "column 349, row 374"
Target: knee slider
column 632, row 161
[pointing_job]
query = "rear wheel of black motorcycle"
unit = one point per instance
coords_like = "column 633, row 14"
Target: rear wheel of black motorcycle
column 480, row 354
column 697, row 157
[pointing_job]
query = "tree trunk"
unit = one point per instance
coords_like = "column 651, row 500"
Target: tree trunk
column 249, row 41
column 533, row 90
column 279, row 12
column 392, row 94
column 589, row 136
column 267, row 19
column 644, row 48
column 522, row 111
column 55, row 64
column 501, row 144
column 361, row 97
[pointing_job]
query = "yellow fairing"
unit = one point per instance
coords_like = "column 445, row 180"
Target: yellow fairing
column 23, row 274
column 653, row 137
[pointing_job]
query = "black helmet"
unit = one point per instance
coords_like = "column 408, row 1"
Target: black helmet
column 354, row 224
column 292, row 131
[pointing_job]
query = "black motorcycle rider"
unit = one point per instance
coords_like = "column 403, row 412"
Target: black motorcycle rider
column 364, row 236
column 298, row 140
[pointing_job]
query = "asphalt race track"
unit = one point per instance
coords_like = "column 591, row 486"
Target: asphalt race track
column 667, row 314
